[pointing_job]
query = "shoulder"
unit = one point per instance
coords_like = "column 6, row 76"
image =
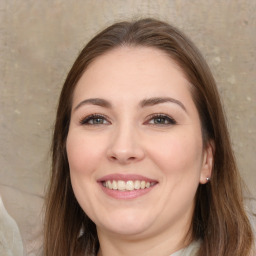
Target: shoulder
column 10, row 238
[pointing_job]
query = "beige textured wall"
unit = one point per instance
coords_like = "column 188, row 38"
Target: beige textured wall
column 39, row 40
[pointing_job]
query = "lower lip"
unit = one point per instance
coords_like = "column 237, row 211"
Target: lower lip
column 117, row 194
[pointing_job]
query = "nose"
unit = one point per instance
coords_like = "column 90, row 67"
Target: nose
column 125, row 146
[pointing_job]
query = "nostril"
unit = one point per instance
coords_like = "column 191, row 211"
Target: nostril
column 113, row 158
column 122, row 158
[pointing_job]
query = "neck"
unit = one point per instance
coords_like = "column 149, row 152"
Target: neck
column 162, row 244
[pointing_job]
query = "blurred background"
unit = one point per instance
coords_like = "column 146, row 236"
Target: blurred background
column 39, row 40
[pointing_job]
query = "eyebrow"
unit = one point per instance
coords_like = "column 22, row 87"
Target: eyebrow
column 144, row 103
column 161, row 100
column 94, row 101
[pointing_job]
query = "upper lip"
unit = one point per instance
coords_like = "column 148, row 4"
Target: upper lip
column 125, row 177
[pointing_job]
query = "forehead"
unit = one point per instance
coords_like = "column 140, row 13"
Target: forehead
column 136, row 59
column 128, row 66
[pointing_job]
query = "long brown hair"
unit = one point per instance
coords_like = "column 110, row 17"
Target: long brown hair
column 219, row 217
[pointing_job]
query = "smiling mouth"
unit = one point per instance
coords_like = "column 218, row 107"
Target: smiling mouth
column 129, row 185
column 126, row 186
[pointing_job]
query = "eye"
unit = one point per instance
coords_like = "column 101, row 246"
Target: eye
column 161, row 119
column 94, row 119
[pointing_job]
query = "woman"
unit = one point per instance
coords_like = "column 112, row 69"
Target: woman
column 142, row 161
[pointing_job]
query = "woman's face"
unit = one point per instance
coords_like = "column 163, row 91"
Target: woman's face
column 135, row 145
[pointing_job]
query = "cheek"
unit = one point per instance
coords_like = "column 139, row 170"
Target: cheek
column 83, row 157
column 178, row 159
column 83, row 154
column 178, row 155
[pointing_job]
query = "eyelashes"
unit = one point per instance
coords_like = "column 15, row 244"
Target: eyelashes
column 153, row 119
column 160, row 119
column 94, row 119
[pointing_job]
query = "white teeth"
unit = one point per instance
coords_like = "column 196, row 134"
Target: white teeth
column 127, row 185
column 137, row 184
column 121, row 185
column 109, row 184
column 143, row 184
column 114, row 185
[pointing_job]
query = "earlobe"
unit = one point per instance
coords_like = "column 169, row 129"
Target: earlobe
column 207, row 164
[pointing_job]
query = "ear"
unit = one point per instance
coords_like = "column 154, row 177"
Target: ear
column 207, row 164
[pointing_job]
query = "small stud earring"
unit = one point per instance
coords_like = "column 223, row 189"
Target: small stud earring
column 208, row 179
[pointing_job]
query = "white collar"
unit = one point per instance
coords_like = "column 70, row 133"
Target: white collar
column 190, row 250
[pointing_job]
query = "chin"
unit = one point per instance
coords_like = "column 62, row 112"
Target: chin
column 126, row 224
column 124, row 229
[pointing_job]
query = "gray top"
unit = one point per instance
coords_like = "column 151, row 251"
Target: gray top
column 191, row 250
